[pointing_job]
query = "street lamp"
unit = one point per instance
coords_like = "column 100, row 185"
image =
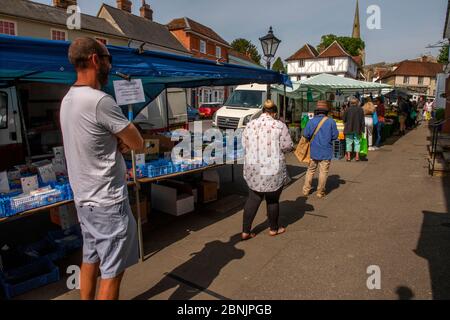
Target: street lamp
column 269, row 45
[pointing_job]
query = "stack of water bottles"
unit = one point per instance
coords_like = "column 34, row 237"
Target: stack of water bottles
column 162, row 167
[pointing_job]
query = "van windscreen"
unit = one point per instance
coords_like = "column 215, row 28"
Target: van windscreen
column 245, row 98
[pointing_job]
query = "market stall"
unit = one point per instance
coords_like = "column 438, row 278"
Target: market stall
column 42, row 61
column 335, row 90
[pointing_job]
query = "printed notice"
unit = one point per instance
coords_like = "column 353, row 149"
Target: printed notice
column 129, row 92
column 47, row 173
column 29, row 184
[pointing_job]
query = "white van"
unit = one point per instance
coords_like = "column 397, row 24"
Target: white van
column 243, row 105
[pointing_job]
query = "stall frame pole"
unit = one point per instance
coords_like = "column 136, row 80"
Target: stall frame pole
column 136, row 187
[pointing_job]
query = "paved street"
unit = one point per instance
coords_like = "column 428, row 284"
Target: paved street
column 386, row 212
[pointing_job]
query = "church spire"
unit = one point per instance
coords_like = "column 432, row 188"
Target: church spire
column 356, row 25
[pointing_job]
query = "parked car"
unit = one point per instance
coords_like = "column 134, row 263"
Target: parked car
column 207, row 110
column 193, row 114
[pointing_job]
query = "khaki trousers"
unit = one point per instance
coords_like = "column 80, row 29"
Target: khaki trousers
column 324, row 167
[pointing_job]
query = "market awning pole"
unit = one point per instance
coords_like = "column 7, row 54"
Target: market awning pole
column 137, row 189
column 284, row 105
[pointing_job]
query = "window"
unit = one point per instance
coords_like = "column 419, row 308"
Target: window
column 331, row 61
column 59, row 35
column 102, row 40
column 7, row 27
column 420, row 81
column 405, row 80
column 218, row 52
column 3, row 110
column 301, row 63
column 202, row 46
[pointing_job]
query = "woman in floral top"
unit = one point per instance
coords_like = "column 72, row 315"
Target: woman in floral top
column 265, row 141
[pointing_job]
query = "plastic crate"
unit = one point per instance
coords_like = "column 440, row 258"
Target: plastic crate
column 69, row 240
column 28, row 277
column 45, row 248
column 338, row 149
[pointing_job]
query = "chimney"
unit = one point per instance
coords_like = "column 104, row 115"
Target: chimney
column 146, row 11
column 124, row 5
column 64, row 3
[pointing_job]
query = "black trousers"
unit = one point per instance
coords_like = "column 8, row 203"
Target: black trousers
column 252, row 205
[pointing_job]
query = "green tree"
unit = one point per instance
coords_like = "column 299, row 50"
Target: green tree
column 443, row 55
column 352, row 45
column 245, row 46
column 278, row 66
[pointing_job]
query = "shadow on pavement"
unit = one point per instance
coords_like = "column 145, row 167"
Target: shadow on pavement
column 434, row 245
column 333, row 183
column 404, row 293
column 290, row 213
column 201, row 270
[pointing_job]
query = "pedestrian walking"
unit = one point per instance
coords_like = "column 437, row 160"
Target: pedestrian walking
column 420, row 109
column 354, row 126
column 403, row 114
column 381, row 112
column 324, row 131
column 95, row 134
column 369, row 110
column 265, row 141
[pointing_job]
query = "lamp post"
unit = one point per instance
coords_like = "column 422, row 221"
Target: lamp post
column 269, row 44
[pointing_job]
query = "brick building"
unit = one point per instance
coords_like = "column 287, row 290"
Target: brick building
column 204, row 43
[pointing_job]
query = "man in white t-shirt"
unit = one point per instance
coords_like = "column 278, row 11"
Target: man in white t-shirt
column 95, row 134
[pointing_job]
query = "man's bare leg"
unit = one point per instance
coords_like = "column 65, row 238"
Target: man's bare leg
column 109, row 288
column 88, row 280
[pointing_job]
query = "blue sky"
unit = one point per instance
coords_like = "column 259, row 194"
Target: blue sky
column 407, row 26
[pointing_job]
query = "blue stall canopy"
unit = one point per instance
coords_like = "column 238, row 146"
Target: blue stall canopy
column 29, row 59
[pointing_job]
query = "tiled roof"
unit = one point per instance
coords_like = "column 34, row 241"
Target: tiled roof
column 305, row 52
column 334, row 50
column 190, row 25
column 416, row 68
column 54, row 15
column 142, row 29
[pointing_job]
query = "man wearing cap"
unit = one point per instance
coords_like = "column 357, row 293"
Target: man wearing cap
column 321, row 147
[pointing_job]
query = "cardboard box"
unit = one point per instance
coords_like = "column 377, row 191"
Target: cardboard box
column 212, row 175
column 172, row 197
column 151, row 146
column 144, row 210
column 207, row 191
column 165, row 143
column 64, row 216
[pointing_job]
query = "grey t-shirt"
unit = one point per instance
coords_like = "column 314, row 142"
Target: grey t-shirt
column 90, row 119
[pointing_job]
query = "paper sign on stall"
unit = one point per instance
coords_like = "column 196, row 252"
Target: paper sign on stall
column 59, row 166
column 140, row 159
column 29, row 184
column 47, row 173
column 58, row 152
column 129, row 92
column 4, row 182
